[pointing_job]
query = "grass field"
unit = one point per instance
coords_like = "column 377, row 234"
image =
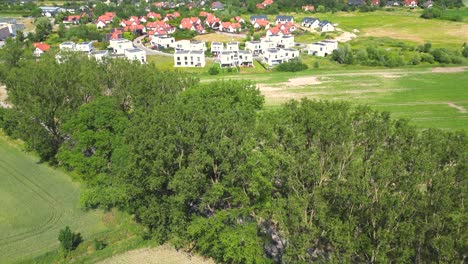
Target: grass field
column 401, row 24
column 429, row 97
column 36, row 202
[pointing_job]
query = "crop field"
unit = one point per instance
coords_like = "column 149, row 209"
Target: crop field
column 36, row 202
column 429, row 97
column 401, row 24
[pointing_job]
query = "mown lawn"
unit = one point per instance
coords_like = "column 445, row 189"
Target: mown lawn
column 427, row 98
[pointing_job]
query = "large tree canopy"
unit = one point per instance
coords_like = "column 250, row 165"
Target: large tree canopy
column 206, row 167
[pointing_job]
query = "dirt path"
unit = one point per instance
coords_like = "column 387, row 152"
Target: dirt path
column 449, row 69
column 159, row 255
column 460, row 108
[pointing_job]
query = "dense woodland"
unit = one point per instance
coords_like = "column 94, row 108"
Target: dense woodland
column 207, row 168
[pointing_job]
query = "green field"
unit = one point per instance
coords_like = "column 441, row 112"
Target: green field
column 36, row 202
column 429, row 97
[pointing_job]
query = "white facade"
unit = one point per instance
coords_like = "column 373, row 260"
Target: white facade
column 135, row 55
column 245, row 58
column 189, row 45
column 322, row 48
column 310, row 22
column 99, row 54
column 254, row 46
column 84, row 46
column 267, row 44
column 235, row 58
column 326, row 27
column 217, row 47
column 185, row 58
column 276, row 56
column 119, row 45
column 286, row 42
column 67, row 46
column 232, row 46
column 162, row 41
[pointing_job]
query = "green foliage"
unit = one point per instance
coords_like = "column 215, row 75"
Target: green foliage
column 184, row 34
column 465, row 50
column 293, row 65
column 430, row 13
column 43, row 28
column 99, row 244
column 69, row 240
column 215, row 69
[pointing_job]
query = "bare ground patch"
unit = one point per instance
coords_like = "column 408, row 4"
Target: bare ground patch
column 449, row 69
column 460, row 108
column 300, row 81
column 159, row 255
column 3, row 97
column 345, row 37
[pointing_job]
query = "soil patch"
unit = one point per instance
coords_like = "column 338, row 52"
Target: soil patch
column 449, row 69
column 345, row 37
column 460, row 108
column 159, row 255
column 300, row 81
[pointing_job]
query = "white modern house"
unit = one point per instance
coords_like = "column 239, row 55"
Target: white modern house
column 119, row 45
column 216, row 47
column 189, row 45
column 99, row 54
column 276, row 56
column 310, row 22
column 322, row 48
column 245, row 58
column 286, row 41
column 84, row 47
column 254, row 46
column 267, row 44
column 67, row 46
column 187, row 58
column 162, row 41
column 284, row 19
column 235, row 58
column 326, row 26
column 135, row 54
column 232, row 46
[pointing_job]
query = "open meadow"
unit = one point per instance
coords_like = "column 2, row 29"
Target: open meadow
column 37, row 201
column 429, row 97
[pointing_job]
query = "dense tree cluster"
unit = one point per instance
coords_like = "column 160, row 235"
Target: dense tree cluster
column 205, row 167
column 375, row 56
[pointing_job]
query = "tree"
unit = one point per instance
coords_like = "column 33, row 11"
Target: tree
column 61, row 30
column 68, row 240
column 43, row 28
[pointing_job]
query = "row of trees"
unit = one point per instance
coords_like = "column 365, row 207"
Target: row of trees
column 374, row 56
column 207, row 168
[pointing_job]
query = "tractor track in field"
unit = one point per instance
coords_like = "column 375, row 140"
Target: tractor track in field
column 43, row 195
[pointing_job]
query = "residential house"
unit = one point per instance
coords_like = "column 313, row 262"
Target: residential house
column 308, row 8
column 276, row 56
column 230, row 27
column 212, row 21
column 356, row 2
column 189, row 45
column 326, row 26
column 232, row 46
column 101, row 24
column 284, row 19
column 254, row 46
column 264, row 4
column 187, row 58
column 245, row 58
column 49, row 11
column 217, row 6
column 216, row 47
column 322, row 48
column 257, row 17
column 239, row 19
column 72, row 20
column 152, row 15
column 375, row 2
column 161, row 4
column 162, row 41
column 4, row 33
column 428, row 4
column 393, row 3
column 411, row 3
column 84, row 47
column 40, row 48
column 115, row 33
column 99, row 55
column 310, row 22
column 135, row 54
column 228, row 59
column 286, row 42
column 261, row 23
column 67, row 45
column 119, row 45
column 267, row 44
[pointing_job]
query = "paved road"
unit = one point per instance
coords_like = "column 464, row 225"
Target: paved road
column 137, row 43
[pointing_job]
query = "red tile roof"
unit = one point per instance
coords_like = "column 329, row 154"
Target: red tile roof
column 42, row 46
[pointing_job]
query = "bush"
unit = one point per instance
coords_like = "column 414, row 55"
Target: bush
column 430, row 13
column 427, row 57
column 294, row 65
column 441, row 55
column 214, row 70
column 99, row 244
column 465, row 50
column 416, row 59
column 316, row 65
column 69, row 240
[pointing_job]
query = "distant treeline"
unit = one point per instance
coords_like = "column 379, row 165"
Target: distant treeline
column 207, row 168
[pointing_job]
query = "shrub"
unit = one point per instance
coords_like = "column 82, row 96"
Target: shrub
column 427, row 57
column 430, row 13
column 69, row 240
column 465, row 50
column 99, row 244
column 316, row 65
column 214, row 70
column 416, row 59
column 294, row 65
column 441, row 55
